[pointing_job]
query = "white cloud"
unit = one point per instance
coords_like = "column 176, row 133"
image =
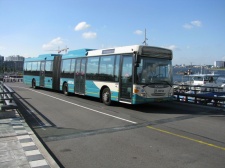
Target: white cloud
column 53, row 44
column 187, row 26
column 138, row 32
column 172, row 47
column 81, row 26
column 192, row 24
column 196, row 23
column 89, row 35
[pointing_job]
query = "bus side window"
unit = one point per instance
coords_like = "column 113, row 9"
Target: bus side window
column 66, row 66
column 29, row 66
column 25, row 66
column 72, row 66
column 92, row 68
column 106, row 68
column 116, row 69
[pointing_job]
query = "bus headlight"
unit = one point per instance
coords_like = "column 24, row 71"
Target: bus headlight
column 136, row 90
column 143, row 94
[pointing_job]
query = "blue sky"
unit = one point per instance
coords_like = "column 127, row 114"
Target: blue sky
column 193, row 29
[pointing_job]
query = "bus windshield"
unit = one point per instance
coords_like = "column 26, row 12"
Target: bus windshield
column 153, row 70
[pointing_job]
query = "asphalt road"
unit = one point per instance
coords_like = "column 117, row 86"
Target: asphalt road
column 81, row 132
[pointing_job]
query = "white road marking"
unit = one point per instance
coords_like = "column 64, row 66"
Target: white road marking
column 81, row 106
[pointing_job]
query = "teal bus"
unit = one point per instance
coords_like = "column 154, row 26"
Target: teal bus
column 134, row 74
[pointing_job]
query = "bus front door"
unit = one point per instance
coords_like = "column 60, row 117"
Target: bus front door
column 126, row 79
column 42, row 74
column 80, row 76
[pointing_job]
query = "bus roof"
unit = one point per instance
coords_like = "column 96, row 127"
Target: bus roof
column 116, row 50
column 42, row 57
column 130, row 49
column 77, row 53
column 70, row 54
column 140, row 49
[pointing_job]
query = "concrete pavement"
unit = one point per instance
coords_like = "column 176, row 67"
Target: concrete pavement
column 19, row 147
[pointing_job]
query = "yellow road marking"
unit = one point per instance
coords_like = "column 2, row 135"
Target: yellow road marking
column 184, row 137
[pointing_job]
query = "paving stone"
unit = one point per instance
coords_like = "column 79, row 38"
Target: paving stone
column 29, row 148
column 5, row 156
column 35, row 157
column 25, row 140
column 17, row 148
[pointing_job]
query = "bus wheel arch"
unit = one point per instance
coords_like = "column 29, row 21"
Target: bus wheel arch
column 65, row 88
column 33, row 83
column 105, row 96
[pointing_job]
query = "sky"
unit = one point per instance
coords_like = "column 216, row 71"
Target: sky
column 193, row 29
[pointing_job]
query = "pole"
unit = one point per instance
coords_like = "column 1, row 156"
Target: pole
column 145, row 41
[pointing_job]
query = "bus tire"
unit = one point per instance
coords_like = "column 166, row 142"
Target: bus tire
column 106, row 96
column 33, row 84
column 65, row 89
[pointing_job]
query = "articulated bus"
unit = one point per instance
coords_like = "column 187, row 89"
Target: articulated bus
column 130, row 74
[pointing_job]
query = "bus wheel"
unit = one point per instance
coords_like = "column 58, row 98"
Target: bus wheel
column 65, row 89
column 34, row 84
column 106, row 97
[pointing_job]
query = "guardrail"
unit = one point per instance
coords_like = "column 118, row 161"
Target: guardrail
column 12, row 79
column 212, row 96
column 6, row 95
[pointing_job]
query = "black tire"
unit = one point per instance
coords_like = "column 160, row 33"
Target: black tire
column 34, row 84
column 65, row 89
column 106, row 96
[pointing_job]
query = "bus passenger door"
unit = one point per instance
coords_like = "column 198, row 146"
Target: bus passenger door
column 42, row 74
column 126, row 89
column 80, row 76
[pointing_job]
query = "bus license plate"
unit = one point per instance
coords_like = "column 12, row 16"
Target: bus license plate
column 159, row 91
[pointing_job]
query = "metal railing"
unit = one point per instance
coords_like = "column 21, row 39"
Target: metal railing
column 204, row 95
column 6, row 95
column 12, row 79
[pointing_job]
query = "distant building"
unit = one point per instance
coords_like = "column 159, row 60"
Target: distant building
column 14, row 63
column 1, row 61
column 219, row 64
column 14, row 58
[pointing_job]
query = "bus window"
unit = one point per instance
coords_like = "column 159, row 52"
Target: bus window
column 117, row 65
column 38, row 65
column 48, row 68
column 72, row 65
column 106, row 68
column 25, row 66
column 127, row 67
column 34, row 66
column 152, row 70
column 66, row 66
column 29, row 66
column 92, row 68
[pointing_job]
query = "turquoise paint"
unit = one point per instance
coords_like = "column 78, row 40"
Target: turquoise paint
column 27, row 79
column 48, row 82
column 70, row 82
column 76, row 53
column 91, row 89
